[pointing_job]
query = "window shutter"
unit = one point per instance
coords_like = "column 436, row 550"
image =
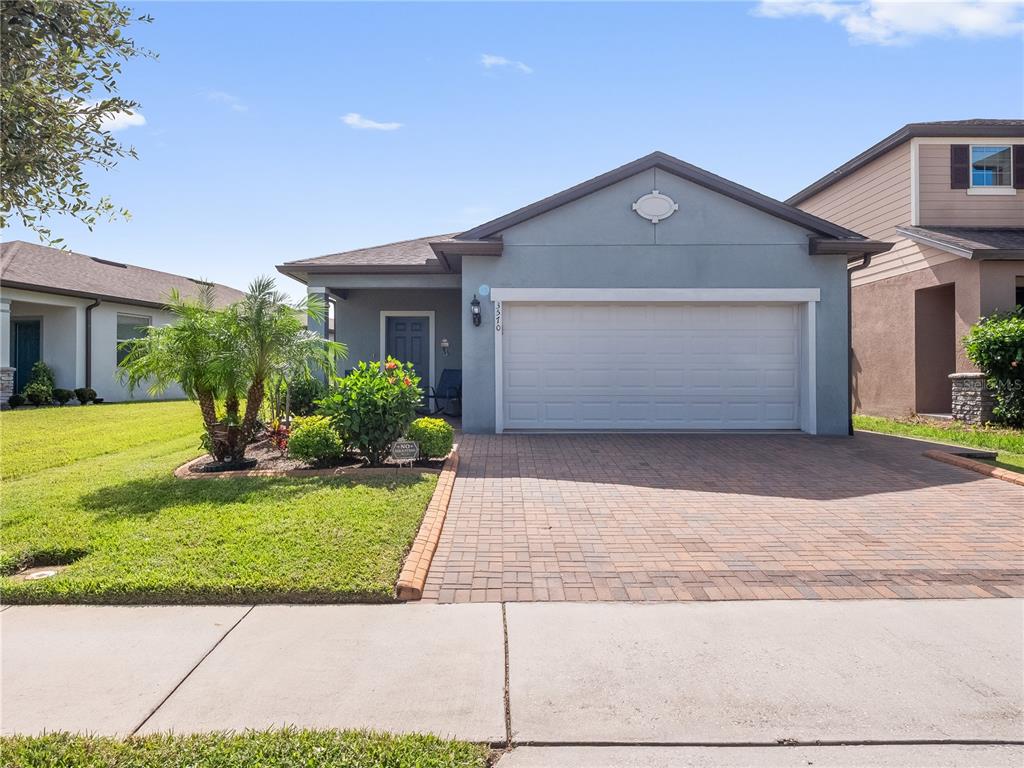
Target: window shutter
column 959, row 166
column 1018, row 166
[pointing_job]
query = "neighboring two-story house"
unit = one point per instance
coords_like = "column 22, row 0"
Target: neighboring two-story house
column 950, row 195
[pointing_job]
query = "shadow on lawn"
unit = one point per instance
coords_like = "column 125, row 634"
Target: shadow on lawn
column 148, row 497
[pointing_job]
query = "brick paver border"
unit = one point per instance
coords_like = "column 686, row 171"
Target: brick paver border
column 977, row 466
column 414, row 571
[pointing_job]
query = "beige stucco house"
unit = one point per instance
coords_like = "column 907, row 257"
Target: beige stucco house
column 950, row 195
column 72, row 311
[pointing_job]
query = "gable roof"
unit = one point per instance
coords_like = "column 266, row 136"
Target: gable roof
column 675, row 166
column 52, row 270
column 979, row 127
column 400, row 256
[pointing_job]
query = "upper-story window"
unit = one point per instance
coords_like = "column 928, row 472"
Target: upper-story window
column 991, row 166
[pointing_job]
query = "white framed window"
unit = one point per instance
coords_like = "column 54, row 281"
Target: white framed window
column 991, row 166
column 130, row 327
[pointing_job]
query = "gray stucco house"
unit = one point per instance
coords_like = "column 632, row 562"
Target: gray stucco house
column 656, row 296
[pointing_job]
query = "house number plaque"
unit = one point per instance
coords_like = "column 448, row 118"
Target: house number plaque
column 497, row 316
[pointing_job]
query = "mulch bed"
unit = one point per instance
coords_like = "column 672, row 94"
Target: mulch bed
column 270, row 462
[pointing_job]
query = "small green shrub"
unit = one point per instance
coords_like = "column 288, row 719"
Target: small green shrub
column 373, row 406
column 313, row 439
column 996, row 346
column 304, row 394
column 15, row 400
column 38, row 392
column 85, row 395
column 63, row 396
column 39, row 389
column 42, row 372
column 435, row 437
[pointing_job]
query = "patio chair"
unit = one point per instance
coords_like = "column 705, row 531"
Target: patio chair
column 447, row 396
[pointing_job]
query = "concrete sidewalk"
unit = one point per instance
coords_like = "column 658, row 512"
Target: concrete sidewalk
column 719, row 674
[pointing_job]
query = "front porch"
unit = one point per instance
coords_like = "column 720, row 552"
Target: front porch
column 422, row 326
column 40, row 327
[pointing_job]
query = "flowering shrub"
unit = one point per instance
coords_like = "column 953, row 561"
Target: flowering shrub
column 313, row 439
column 373, row 406
column 996, row 346
column 435, row 437
column 63, row 396
column 278, row 435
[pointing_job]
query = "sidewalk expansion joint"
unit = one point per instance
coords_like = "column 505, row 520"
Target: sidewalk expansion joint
column 508, row 699
column 181, row 682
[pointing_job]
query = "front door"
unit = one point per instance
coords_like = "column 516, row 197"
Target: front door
column 408, row 339
column 26, row 349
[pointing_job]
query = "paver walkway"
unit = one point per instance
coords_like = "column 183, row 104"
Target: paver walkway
column 712, row 517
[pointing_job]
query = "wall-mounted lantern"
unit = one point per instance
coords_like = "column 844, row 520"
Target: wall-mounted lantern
column 445, row 346
column 474, row 308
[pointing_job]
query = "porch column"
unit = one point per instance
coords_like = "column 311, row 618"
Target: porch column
column 6, row 372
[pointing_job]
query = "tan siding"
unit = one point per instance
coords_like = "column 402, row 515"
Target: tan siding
column 942, row 206
column 872, row 201
column 905, row 256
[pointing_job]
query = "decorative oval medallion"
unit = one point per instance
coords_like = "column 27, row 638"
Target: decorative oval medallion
column 655, row 206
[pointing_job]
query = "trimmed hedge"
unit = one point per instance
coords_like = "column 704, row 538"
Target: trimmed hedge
column 996, row 346
column 435, row 437
column 314, row 440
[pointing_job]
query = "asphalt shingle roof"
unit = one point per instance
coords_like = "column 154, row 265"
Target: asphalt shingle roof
column 40, row 267
column 404, row 253
column 978, row 242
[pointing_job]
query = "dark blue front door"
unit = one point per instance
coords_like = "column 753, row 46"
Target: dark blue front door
column 408, row 339
column 26, row 349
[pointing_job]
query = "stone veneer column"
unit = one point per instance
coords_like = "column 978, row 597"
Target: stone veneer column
column 972, row 399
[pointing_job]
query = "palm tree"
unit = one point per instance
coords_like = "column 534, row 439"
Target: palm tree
column 229, row 355
column 184, row 353
column 269, row 336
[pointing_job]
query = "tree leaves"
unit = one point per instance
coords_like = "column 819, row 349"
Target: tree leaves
column 55, row 55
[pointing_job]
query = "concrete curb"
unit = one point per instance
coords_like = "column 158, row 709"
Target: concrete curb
column 417, row 563
column 184, row 472
column 977, row 466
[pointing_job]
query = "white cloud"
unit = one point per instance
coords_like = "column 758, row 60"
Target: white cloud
column 884, row 22
column 118, row 121
column 357, row 121
column 490, row 61
column 230, row 101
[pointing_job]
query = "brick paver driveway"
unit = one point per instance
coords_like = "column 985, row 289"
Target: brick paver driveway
column 706, row 517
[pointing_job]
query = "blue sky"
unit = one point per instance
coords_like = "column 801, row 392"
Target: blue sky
column 246, row 158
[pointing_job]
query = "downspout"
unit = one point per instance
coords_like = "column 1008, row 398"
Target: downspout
column 866, row 262
column 88, row 341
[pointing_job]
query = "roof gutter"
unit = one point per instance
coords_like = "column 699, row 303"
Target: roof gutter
column 88, row 341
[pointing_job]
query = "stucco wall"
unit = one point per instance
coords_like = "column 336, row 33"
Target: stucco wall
column 63, row 340
column 711, row 242
column 104, row 352
column 357, row 323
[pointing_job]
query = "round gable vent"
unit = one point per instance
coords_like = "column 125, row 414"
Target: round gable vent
column 655, row 206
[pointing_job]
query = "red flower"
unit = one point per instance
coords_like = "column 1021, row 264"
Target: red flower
column 391, row 365
column 407, row 381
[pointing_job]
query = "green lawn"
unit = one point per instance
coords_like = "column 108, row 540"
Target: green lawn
column 95, row 483
column 266, row 749
column 1009, row 443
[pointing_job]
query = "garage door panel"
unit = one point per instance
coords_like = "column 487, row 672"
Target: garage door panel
column 650, row 366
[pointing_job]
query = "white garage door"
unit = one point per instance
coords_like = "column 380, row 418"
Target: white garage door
column 650, row 366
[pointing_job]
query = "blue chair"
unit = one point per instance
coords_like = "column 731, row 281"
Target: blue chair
column 447, row 396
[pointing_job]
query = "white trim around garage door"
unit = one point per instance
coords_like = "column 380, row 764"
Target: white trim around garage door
column 427, row 313
column 807, row 296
